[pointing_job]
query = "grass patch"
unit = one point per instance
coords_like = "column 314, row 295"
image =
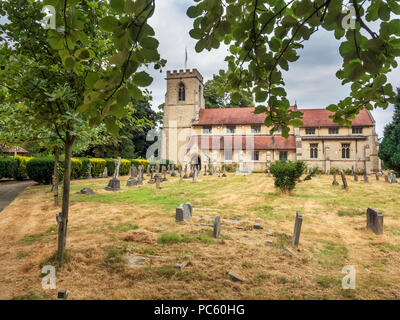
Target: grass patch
column 173, row 237
column 21, row 254
column 31, row 296
column 32, row 238
column 114, row 254
column 326, row 282
column 333, row 254
column 350, row 213
column 123, row 227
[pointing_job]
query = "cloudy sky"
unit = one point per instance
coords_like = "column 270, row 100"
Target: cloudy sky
column 310, row 82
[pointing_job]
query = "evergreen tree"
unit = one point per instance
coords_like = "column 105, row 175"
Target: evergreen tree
column 389, row 150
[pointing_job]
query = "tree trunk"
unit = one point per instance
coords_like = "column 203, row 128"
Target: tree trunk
column 55, row 175
column 62, row 218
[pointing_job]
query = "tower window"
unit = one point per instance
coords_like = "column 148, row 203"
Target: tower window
column 181, row 94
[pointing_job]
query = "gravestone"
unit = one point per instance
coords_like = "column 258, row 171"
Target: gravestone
column 105, row 172
column 334, row 183
column 224, row 173
column 365, row 177
column 195, row 175
column 184, row 212
column 152, row 180
column 352, row 171
column 140, row 175
column 87, row 191
column 386, row 178
column 173, row 174
column 345, row 186
column 355, row 177
column 164, row 172
column 217, row 226
column 62, row 295
column 205, row 170
column 185, row 176
column 394, row 180
column 90, row 171
column 375, row 220
column 377, row 176
column 148, row 170
column 169, row 169
column 297, row 229
column 114, row 184
column 191, row 171
column 134, row 172
column 269, row 173
column 158, row 181
column 132, row 181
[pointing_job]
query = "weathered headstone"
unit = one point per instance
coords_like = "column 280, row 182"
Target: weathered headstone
column 334, row 183
column 386, row 178
column 223, row 172
column 185, row 176
column 90, row 171
column 152, row 179
column 191, row 171
column 394, row 180
column 184, row 212
column 297, row 229
column 365, row 177
column 377, row 176
column 217, row 226
column 87, row 191
column 375, row 220
column 195, row 175
column 114, row 184
column 62, row 295
column 355, row 177
column 148, row 170
column 345, row 186
column 105, row 172
column 158, row 181
column 173, row 174
column 269, row 173
column 205, row 170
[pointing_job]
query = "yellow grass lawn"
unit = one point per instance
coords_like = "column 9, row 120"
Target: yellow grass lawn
column 141, row 221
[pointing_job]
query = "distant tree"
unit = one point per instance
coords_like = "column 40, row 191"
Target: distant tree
column 216, row 96
column 389, row 150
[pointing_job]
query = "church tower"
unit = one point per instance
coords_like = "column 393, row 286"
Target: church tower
column 183, row 101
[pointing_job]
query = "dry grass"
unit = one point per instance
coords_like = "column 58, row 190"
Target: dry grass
column 140, row 220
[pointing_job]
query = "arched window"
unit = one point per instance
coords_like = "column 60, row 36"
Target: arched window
column 181, row 94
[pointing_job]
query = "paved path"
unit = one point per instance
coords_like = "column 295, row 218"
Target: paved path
column 9, row 190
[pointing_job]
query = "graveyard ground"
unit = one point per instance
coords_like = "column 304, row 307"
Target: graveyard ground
column 141, row 221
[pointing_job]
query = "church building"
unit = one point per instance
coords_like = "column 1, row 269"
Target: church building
column 195, row 135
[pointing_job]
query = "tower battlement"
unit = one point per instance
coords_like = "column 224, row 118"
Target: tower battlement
column 176, row 74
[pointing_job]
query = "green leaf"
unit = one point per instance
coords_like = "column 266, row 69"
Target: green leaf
column 260, row 109
column 91, row 79
column 193, row 12
column 109, row 23
column 296, row 122
column 275, row 44
column 142, row 79
column 384, row 11
column 235, row 97
column 355, row 72
column 123, row 97
column 118, row 5
column 69, row 63
column 84, row 54
column 149, row 43
column 112, row 127
column 57, row 43
column 135, row 92
column 196, row 33
column 394, row 6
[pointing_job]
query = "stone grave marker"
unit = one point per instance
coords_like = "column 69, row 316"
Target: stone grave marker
column 90, row 171
column 140, row 175
column 375, row 220
column 355, row 177
column 132, row 181
column 223, row 172
column 345, row 186
column 393, row 180
column 158, row 181
column 386, row 178
column 365, row 177
column 148, row 170
column 184, row 212
column 334, row 183
column 205, row 170
column 105, row 172
column 217, row 226
column 114, row 184
column 377, row 176
column 185, row 176
column 297, row 229
column 195, row 175
column 173, row 174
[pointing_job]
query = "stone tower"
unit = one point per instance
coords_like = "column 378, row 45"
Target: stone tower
column 183, row 101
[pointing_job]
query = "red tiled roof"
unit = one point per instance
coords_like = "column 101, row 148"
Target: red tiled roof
column 12, row 149
column 240, row 142
column 242, row 116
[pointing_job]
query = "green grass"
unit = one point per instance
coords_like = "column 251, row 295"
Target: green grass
column 173, row 237
column 32, row 238
column 327, row 282
column 333, row 254
column 123, row 227
column 31, row 296
column 350, row 213
column 21, row 255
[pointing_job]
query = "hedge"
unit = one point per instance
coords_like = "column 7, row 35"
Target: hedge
column 41, row 170
column 125, row 167
column 98, row 166
column 8, row 167
column 138, row 162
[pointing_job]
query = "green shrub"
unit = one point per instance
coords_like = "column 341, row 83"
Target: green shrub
column 98, row 166
column 20, row 173
column 286, row 173
column 84, row 172
column 138, row 162
column 125, row 167
column 8, row 167
column 300, row 168
column 76, row 168
column 41, row 170
column 230, row 167
column 110, row 163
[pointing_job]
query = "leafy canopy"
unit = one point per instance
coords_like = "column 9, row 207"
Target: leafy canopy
column 265, row 36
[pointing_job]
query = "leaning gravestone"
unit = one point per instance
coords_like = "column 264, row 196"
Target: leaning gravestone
column 375, row 220
column 114, row 184
column 345, row 186
column 297, row 229
column 217, row 226
column 90, row 171
column 393, row 180
column 105, row 172
column 184, row 212
column 334, row 183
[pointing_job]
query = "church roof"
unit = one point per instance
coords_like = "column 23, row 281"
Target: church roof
column 242, row 142
column 246, row 116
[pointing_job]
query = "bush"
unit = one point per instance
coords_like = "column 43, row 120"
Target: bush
column 8, row 167
column 300, row 168
column 230, row 167
column 286, row 173
column 20, row 172
column 125, row 167
column 84, row 172
column 110, row 163
column 138, row 162
column 41, row 170
column 98, row 166
column 76, row 168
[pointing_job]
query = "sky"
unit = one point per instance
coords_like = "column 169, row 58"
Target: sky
column 310, row 81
